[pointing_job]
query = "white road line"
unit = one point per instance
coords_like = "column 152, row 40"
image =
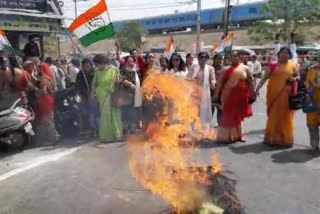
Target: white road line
column 38, row 162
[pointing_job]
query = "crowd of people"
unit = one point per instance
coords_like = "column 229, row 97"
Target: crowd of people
column 230, row 86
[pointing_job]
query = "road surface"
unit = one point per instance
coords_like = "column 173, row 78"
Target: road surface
column 89, row 178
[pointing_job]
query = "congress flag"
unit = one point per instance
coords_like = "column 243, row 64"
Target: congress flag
column 94, row 25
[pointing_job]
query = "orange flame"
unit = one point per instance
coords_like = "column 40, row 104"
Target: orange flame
column 157, row 160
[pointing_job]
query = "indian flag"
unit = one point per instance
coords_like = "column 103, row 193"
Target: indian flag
column 5, row 44
column 93, row 25
column 170, row 48
column 225, row 43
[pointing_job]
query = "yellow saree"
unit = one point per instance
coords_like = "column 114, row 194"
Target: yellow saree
column 280, row 123
column 313, row 119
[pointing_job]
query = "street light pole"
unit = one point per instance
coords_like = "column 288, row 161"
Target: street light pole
column 75, row 9
column 226, row 18
column 198, row 45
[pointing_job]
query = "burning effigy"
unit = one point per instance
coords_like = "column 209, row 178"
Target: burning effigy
column 161, row 157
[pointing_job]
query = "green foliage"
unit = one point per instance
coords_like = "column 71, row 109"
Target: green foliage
column 287, row 16
column 130, row 35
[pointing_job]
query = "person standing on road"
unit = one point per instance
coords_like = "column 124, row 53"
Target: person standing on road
column 218, row 67
column 313, row 119
column 83, row 84
column 103, row 85
column 281, row 75
column 73, row 71
column 177, row 66
column 131, row 80
column 256, row 68
column 236, row 88
column 204, row 75
column 44, row 104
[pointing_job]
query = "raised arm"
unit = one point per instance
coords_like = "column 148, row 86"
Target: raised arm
column 118, row 53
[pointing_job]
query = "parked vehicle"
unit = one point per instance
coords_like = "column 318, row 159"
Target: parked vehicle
column 15, row 124
column 67, row 113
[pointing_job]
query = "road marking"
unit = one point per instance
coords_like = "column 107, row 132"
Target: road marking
column 38, row 162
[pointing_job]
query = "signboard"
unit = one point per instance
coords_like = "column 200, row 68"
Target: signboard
column 16, row 23
column 40, row 5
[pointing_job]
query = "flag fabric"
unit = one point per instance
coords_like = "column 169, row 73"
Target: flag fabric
column 5, row 44
column 226, row 43
column 170, row 49
column 94, row 25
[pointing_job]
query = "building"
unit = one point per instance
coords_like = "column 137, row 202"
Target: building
column 41, row 19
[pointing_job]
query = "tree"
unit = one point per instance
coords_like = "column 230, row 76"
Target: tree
column 130, row 35
column 287, row 16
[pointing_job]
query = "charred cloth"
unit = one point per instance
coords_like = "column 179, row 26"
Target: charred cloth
column 222, row 193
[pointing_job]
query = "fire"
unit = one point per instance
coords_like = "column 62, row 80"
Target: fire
column 161, row 159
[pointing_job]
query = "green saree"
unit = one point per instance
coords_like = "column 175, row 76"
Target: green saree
column 110, row 125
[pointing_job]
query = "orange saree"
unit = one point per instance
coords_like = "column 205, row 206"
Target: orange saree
column 280, row 123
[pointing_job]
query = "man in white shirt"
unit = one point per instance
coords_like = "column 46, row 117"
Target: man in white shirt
column 255, row 67
column 74, row 69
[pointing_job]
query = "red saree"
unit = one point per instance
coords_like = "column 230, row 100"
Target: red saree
column 235, row 103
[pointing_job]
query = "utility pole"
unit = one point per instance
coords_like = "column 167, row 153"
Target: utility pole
column 226, row 18
column 75, row 9
column 198, row 45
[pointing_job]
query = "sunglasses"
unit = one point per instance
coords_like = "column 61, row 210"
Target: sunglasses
column 150, row 57
column 203, row 57
column 176, row 59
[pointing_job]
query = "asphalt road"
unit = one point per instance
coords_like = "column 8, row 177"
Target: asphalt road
column 83, row 178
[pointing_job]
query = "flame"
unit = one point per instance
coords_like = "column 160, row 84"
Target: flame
column 161, row 159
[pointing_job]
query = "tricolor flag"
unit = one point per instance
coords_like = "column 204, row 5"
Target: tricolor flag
column 5, row 44
column 226, row 43
column 93, row 25
column 170, row 49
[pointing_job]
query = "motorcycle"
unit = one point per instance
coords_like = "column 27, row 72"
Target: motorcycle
column 67, row 113
column 15, row 124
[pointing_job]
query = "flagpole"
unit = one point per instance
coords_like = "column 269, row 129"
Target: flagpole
column 115, row 34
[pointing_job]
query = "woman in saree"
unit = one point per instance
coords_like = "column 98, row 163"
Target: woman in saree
column 103, row 84
column 313, row 119
column 236, row 88
column 42, row 91
column 281, row 75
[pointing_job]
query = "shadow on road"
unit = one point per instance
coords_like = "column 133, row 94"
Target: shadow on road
column 254, row 148
column 208, row 144
column 292, row 156
column 255, row 132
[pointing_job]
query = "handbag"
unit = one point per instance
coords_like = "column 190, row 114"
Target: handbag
column 312, row 105
column 121, row 96
column 297, row 100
